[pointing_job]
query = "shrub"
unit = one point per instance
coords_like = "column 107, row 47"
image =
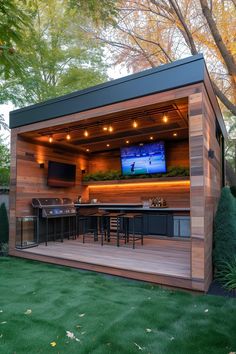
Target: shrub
column 224, row 230
column 4, row 226
column 227, row 274
column 233, row 190
column 4, row 249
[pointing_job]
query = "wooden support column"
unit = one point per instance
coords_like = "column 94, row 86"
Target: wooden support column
column 197, row 201
column 12, row 195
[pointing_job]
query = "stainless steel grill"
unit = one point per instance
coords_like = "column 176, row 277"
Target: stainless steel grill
column 56, row 217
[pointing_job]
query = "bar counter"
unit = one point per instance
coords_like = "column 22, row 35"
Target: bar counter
column 168, row 221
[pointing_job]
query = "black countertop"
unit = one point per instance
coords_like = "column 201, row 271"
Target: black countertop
column 128, row 206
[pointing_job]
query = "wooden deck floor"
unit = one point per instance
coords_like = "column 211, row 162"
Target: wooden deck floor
column 160, row 257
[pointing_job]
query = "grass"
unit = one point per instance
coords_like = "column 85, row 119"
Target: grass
column 40, row 302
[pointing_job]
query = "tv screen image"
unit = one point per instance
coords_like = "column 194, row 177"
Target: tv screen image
column 145, row 159
column 61, row 174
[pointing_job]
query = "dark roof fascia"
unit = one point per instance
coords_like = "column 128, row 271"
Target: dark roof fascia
column 180, row 73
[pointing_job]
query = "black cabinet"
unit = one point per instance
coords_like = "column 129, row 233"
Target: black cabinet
column 155, row 224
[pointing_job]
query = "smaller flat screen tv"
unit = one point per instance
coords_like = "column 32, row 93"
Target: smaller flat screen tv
column 61, row 174
column 146, row 159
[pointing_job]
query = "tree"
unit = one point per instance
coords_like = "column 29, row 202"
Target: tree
column 4, row 164
column 58, row 58
column 148, row 33
column 12, row 25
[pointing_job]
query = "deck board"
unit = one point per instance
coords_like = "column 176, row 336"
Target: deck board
column 155, row 257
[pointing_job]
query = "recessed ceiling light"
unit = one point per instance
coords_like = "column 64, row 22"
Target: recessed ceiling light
column 108, row 145
column 175, row 134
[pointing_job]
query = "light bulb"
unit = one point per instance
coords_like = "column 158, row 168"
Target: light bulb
column 127, row 141
column 86, row 133
column 175, row 134
column 110, row 128
column 165, row 119
column 135, row 124
column 68, row 137
column 105, row 128
column 50, row 139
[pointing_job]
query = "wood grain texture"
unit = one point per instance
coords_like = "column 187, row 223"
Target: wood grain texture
column 177, row 154
column 160, row 261
column 176, row 194
column 31, row 181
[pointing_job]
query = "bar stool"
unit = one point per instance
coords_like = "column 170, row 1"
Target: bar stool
column 135, row 235
column 93, row 226
column 107, row 228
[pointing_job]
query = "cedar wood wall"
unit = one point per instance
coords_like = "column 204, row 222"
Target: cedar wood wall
column 203, row 196
column 205, row 186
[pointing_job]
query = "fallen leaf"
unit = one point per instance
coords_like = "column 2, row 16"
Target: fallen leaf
column 53, row 344
column 72, row 336
column 28, row 312
column 140, row 348
column 148, row 330
column 81, row 314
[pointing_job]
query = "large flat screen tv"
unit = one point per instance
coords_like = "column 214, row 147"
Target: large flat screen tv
column 143, row 159
column 61, row 174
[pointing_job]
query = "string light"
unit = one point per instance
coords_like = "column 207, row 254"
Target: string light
column 50, row 139
column 110, row 129
column 86, row 133
column 135, row 124
column 151, row 138
column 87, row 150
column 127, row 141
column 108, row 145
column 165, row 118
column 105, row 128
column 175, row 134
column 68, row 137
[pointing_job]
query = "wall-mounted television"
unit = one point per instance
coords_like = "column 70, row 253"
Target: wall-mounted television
column 61, row 174
column 143, row 159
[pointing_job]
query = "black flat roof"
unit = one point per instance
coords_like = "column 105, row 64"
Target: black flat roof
column 180, row 73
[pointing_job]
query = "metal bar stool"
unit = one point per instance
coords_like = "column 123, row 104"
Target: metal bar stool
column 135, row 234
column 107, row 233
column 93, row 225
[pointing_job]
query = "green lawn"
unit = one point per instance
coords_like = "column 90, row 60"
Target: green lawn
column 40, row 302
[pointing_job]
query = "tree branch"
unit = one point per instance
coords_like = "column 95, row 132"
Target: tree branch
column 228, row 58
column 228, row 104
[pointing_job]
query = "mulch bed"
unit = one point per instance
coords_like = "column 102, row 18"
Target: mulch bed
column 217, row 289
